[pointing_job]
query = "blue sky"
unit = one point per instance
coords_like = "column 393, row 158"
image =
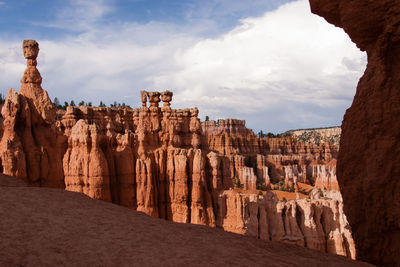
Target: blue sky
column 42, row 19
column 270, row 62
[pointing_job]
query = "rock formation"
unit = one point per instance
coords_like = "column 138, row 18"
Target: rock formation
column 317, row 224
column 368, row 169
column 166, row 163
column 147, row 159
column 318, row 135
column 30, row 146
column 272, row 159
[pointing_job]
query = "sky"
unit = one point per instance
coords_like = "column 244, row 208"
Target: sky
column 269, row 62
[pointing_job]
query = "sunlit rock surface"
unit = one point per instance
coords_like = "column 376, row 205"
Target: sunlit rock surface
column 166, row 163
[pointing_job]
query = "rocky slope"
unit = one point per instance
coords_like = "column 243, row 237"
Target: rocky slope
column 67, row 228
column 368, row 169
column 167, row 164
column 317, row 135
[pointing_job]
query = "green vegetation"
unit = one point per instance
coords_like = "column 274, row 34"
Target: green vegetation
column 236, row 181
column 260, row 186
column 58, row 105
column 261, row 134
column 311, row 181
column 115, row 105
column 283, row 187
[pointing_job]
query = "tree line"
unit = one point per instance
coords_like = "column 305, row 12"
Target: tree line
column 64, row 106
column 261, row 134
column 2, row 99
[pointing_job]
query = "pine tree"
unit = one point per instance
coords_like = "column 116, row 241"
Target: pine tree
column 56, row 102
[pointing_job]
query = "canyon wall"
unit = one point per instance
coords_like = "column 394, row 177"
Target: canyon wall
column 167, row 164
column 317, row 223
column 285, row 159
column 317, row 135
column 368, row 163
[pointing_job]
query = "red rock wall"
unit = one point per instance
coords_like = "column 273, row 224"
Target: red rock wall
column 368, row 169
column 286, row 158
column 316, row 224
column 146, row 159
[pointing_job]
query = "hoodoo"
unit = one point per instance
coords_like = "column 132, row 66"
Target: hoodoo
column 369, row 156
column 30, row 145
column 166, row 163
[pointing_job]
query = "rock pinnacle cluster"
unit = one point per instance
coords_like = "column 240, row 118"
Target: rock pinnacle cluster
column 168, row 164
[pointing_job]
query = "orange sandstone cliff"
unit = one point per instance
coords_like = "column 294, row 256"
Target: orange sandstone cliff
column 369, row 157
column 167, row 164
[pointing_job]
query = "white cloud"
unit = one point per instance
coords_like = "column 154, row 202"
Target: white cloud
column 285, row 69
column 278, row 63
column 287, row 54
column 11, row 65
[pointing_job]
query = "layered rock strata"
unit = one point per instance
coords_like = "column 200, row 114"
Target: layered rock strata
column 368, row 169
column 273, row 159
column 316, row 224
column 162, row 161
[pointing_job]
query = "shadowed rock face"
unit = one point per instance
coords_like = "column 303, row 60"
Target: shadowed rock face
column 368, row 165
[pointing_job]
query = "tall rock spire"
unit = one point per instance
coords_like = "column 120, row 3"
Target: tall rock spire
column 31, row 84
column 30, row 147
column 31, row 74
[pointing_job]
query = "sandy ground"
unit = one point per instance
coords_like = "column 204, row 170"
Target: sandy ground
column 51, row 227
column 288, row 195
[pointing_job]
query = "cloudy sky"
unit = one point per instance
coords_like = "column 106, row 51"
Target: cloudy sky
column 270, row 62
